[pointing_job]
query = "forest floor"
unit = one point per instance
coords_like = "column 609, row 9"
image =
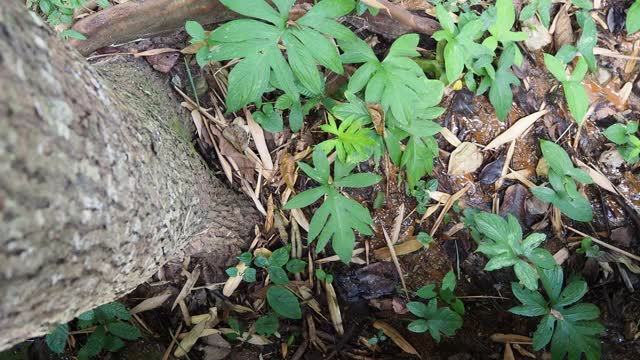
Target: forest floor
column 368, row 294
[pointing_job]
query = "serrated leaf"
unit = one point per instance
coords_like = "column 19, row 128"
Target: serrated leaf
column 500, row 261
column 572, row 293
column 124, row 330
column 113, row 310
column 533, row 241
column 95, row 343
column 248, row 80
column 544, row 332
column 552, row 282
column 57, row 339
column 284, row 302
column 323, row 50
column 112, row 343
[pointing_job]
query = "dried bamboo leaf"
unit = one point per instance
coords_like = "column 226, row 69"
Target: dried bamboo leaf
column 233, row 282
column 515, row 130
column 395, row 336
column 151, row 303
column 189, row 340
column 188, row 285
column 563, row 32
column 403, row 248
column 450, row 137
column 511, row 338
column 334, row 308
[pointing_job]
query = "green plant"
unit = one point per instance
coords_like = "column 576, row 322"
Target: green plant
column 625, row 137
column 437, row 320
column 323, row 276
column 338, row 216
column 563, row 193
column 541, row 7
column 377, row 338
column 59, row 12
column 361, row 8
column 263, row 67
column 422, row 193
column 589, row 249
column 284, row 302
column 111, row 329
column 267, row 325
column 445, row 294
column 633, row 18
column 503, row 244
column 570, row 328
column 353, row 142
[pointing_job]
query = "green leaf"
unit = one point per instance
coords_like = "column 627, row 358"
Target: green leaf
column 556, row 157
column 113, row 343
column 543, row 333
column 492, row 226
column 57, row 339
column 566, row 53
column 500, row 94
column 542, row 258
column 427, row 292
column 278, row 275
column 454, row 61
column 552, row 282
column 526, row 274
column 353, row 142
column 577, row 99
column 245, row 257
column 617, row 133
column 533, row 241
column 323, row 50
column 195, row 30
column 418, row 157
column 248, row 80
column 255, row 8
column 242, row 30
column 573, row 292
column 588, row 41
column 249, row 275
column 581, row 312
column 418, row 309
column 296, row 266
column 501, row 261
column 303, row 65
column 267, row 325
column 360, row 180
column 556, row 66
column 95, row 343
column 330, row 9
column 305, row 198
column 418, row 326
column 124, row 330
column 284, row 302
column 445, row 19
column 279, row 257
column 544, row 194
column 87, row 315
column 449, row 281
column 633, row 18
column 269, row 119
column 72, row 34
column 528, row 297
column 113, row 310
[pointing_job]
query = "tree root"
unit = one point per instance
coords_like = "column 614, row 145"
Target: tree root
column 142, row 18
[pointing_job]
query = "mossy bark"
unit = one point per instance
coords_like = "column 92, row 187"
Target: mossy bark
column 96, row 187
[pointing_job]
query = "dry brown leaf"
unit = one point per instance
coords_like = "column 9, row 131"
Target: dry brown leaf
column 258, row 139
column 190, row 339
column 450, row 137
column 405, row 247
column 597, row 176
column 511, row 338
column 465, row 159
column 336, row 258
column 563, row 32
column 186, row 289
column 508, row 352
column 561, row 256
column 377, row 117
column 452, row 199
column 394, row 257
column 192, row 49
column 300, row 218
column 334, row 308
column 288, row 169
column 395, row 336
column 151, row 303
column 523, row 352
column 515, row 130
column 233, row 282
column 153, row 52
column 397, row 224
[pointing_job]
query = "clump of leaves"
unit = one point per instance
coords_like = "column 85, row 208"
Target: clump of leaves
column 589, row 36
column 353, row 141
column 422, row 193
column 338, row 216
column 570, row 328
column 446, row 293
column 377, row 338
column 625, row 137
column 111, row 330
column 589, row 249
column 633, row 18
column 436, row 319
column 574, row 91
column 502, row 242
column 541, row 7
column 563, row 193
column 263, row 67
column 61, row 11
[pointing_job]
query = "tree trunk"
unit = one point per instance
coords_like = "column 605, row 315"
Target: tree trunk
column 98, row 184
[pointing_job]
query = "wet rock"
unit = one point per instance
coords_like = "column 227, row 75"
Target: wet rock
column 514, row 202
column 622, row 236
column 370, row 282
column 462, row 103
column 491, row 173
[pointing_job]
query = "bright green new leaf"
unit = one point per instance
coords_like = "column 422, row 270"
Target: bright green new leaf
column 633, row 18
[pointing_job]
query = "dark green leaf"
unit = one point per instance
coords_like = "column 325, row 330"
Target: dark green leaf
column 427, row 292
column 279, row 257
column 542, row 258
column 573, row 292
column 284, row 302
column 112, row 343
column 249, row 275
column 278, row 275
column 267, row 325
column 543, row 333
column 95, row 343
column 248, row 80
column 305, row 198
column 124, row 330
column 57, row 339
column 296, row 266
column 526, row 274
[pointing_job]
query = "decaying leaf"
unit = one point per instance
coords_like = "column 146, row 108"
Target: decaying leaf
column 515, row 130
column 233, row 282
column 395, row 336
column 188, row 285
column 465, row 159
column 563, row 32
column 403, row 248
column 187, row 343
column 334, row 308
column 151, row 303
column 377, row 117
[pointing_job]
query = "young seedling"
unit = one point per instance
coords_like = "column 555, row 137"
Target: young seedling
column 570, row 328
column 574, row 92
column 433, row 319
column 111, row 330
column 625, row 137
column 338, row 216
column 633, row 18
column 502, row 243
column 589, row 249
column 563, row 193
column 353, row 141
column 541, row 7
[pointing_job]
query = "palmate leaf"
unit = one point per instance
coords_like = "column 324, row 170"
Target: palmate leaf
column 255, row 43
column 433, row 319
column 571, row 329
column 353, row 142
column 338, row 216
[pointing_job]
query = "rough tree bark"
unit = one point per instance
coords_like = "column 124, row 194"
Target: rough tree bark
column 97, row 188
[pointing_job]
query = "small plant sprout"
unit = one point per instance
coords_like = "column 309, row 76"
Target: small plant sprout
column 589, row 249
column 571, row 329
column 563, row 193
column 433, row 319
column 338, row 216
column 503, row 244
column 625, row 137
column 574, row 91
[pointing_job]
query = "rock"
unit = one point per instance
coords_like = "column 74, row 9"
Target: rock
column 465, row 159
column 539, row 36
